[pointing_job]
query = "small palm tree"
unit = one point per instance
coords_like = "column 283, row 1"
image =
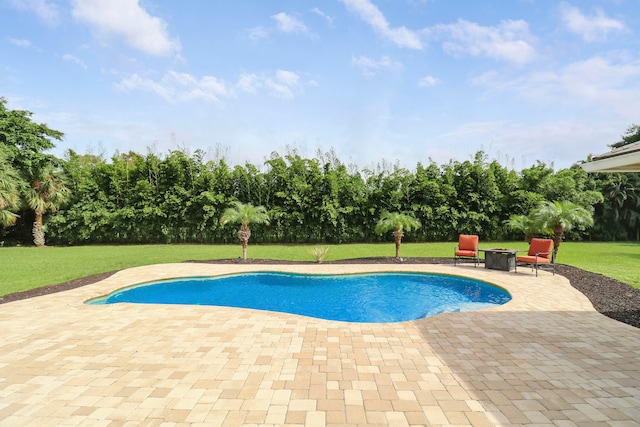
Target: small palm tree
column 398, row 222
column 527, row 224
column 561, row 217
column 46, row 193
column 244, row 214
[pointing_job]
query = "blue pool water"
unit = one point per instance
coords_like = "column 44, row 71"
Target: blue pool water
column 379, row 297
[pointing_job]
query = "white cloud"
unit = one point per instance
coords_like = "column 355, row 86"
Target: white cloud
column 47, row 12
column 20, row 42
column 249, row 83
column 428, row 81
column 369, row 13
column 288, row 77
column 595, row 77
column 510, row 41
column 136, row 82
column 590, row 28
column 75, row 60
column 323, row 15
column 284, row 84
column 258, row 33
column 278, row 89
column 284, row 23
column 289, row 24
column 370, row 67
column 127, row 19
column 598, row 83
column 558, row 142
column 184, row 87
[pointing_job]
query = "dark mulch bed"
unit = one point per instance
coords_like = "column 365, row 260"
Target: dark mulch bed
column 72, row 284
column 610, row 297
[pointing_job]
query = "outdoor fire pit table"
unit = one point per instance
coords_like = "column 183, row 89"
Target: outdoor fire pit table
column 500, row 258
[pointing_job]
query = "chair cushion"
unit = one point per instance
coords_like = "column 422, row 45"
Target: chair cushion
column 541, row 245
column 465, row 253
column 468, row 242
column 532, row 259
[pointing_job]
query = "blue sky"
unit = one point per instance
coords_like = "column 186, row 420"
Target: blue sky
column 400, row 81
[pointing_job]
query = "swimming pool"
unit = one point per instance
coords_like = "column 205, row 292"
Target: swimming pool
column 368, row 298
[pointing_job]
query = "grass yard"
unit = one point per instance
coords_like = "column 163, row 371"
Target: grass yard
column 26, row 267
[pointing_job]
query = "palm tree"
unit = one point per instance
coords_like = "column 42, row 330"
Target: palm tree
column 528, row 224
column 244, row 214
column 619, row 191
column 398, row 222
column 561, row 217
column 9, row 192
column 46, row 193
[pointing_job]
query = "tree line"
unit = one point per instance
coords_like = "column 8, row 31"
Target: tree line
column 180, row 197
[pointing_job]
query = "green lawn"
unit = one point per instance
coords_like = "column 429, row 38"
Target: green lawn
column 26, row 268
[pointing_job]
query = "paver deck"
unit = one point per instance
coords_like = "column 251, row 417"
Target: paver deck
column 546, row 358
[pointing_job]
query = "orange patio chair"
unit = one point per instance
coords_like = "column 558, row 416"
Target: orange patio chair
column 467, row 248
column 540, row 255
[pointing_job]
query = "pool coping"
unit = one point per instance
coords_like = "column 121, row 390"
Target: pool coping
column 523, row 286
column 462, row 291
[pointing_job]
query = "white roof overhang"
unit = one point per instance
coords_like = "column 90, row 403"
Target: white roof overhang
column 622, row 159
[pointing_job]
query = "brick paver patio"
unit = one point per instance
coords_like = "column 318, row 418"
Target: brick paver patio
column 546, row 358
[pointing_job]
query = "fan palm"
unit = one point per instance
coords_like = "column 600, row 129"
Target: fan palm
column 561, row 217
column 399, row 223
column 620, row 191
column 244, row 214
column 529, row 225
column 46, row 193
